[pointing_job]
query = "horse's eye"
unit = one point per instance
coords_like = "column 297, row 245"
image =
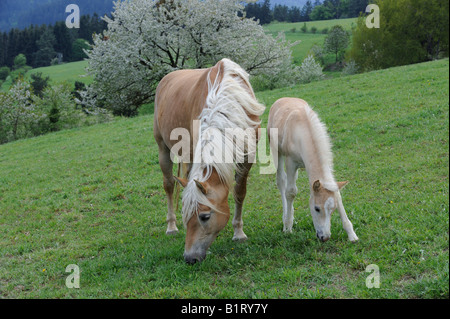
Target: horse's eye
column 317, row 209
column 204, row 217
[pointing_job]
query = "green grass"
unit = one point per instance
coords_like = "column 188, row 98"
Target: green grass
column 94, row 197
column 67, row 72
column 308, row 40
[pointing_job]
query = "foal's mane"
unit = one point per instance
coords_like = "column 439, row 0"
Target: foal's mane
column 229, row 105
column 322, row 144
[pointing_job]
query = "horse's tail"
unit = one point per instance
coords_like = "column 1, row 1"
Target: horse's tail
column 182, row 172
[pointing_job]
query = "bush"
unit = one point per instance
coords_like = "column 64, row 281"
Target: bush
column 325, row 31
column 350, row 68
column 411, row 31
column 304, row 28
column 313, row 29
column 20, row 61
column 23, row 114
column 317, row 52
column 18, row 112
column 4, row 72
column 39, row 83
column 310, row 70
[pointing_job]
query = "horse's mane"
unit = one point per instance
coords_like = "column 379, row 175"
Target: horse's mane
column 229, row 105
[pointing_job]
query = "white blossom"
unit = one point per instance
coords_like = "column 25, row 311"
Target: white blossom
column 146, row 39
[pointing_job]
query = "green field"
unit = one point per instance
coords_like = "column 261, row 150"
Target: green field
column 67, row 72
column 308, row 39
column 93, row 197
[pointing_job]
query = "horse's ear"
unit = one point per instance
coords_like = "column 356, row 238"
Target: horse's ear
column 341, row 185
column 201, row 186
column 182, row 181
column 316, row 186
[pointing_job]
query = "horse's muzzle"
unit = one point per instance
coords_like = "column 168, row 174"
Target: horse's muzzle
column 322, row 237
column 193, row 258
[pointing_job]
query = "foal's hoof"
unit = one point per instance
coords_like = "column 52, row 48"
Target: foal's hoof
column 353, row 238
column 242, row 237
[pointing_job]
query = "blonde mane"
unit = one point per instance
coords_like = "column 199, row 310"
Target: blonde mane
column 229, row 105
column 322, row 143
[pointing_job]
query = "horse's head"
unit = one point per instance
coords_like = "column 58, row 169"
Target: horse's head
column 205, row 214
column 322, row 203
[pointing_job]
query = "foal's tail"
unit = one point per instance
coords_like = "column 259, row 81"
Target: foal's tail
column 182, row 172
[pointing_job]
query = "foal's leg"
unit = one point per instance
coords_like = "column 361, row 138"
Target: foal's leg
column 166, row 165
column 346, row 223
column 240, row 190
column 281, row 183
column 291, row 191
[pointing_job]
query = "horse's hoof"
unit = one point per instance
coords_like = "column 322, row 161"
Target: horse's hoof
column 353, row 239
column 172, row 232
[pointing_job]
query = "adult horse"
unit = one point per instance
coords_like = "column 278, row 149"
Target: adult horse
column 302, row 142
column 219, row 98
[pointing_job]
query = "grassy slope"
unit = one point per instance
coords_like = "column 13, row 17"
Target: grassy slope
column 94, row 197
column 67, row 72
column 70, row 72
column 308, row 40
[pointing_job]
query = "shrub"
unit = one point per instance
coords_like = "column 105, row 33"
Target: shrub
column 310, row 70
column 411, row 31
column 18, row 112
column 4, row 72
column 23, row 114
column 317, row 52
column 39, row 83
column 350, row 68
column 304, row 28
column 20, row 61
column 325, row 31
column 313, row 29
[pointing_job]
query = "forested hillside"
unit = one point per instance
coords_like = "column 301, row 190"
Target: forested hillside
column 22, row 13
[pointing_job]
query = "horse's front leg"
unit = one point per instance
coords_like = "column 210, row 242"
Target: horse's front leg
column 240, row 190
column 166, row 165
column 346, row 223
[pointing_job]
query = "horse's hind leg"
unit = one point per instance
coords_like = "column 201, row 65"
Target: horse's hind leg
column 291, row 192
column 240, row 190
column 166, row 165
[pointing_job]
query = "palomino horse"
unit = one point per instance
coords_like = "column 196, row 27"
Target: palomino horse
column 217, row 99
column 303, row 142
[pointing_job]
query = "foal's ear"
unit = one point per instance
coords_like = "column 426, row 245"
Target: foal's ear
column 201, row 186
column 341, row 185
column 316, row 186
column 183, row 182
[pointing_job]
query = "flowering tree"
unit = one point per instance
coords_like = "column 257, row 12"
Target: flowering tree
column 146, row 39
column 18, row 112
column 310, row 70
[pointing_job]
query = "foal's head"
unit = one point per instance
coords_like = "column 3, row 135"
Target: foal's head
column 205, row 215
column 323, row 202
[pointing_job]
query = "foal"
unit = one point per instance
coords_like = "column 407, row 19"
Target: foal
column 304, row 143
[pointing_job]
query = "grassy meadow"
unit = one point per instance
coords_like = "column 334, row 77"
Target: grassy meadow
column 93, row 197
column 292, row 32
column 66, row 72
